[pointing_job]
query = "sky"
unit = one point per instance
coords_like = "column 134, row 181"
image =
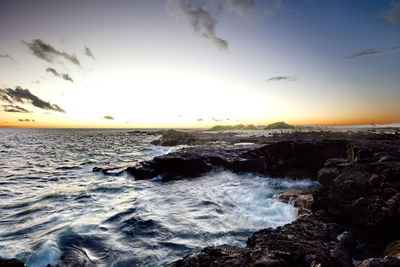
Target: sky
column 198, row 63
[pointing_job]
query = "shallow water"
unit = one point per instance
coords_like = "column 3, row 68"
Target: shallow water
column 53, row 207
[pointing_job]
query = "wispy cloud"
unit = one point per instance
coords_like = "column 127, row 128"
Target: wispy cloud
column 199, row 19
column 26, row 120
column 64, row 76
column 53, row 71
column 9, row 57
column 202, row 16
column 392, row 15
column 24, row 96
column 371, row 51
column 48, row 53
column 15, row 109
column 108, row 117
column 281, row 78
column 88, row 52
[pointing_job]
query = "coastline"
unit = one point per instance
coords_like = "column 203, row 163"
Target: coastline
column 351, row 220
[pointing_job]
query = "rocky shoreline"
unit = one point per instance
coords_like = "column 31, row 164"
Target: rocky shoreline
column 351, row 220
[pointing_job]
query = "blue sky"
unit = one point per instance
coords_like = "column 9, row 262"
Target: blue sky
column 197, row 63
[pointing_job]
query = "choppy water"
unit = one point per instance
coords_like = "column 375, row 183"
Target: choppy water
column 54, row 208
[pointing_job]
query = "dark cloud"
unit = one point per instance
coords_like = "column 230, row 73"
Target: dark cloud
column 7, row 56
column 65, row 76
column 26, row 120
column 199, row 19
column 49, row 53
column 88, row 52
column 36, row 82
column 53, row 71
column 392, row 15
column 281, row 78
column 20, row 95
column 108, row 117
column 217, row 120
column 200, row 119
column 371, row 52
column 201, row 16
column 15, row 108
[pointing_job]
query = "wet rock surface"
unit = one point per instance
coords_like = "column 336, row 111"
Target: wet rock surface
column 353, row 217
column 11, row 263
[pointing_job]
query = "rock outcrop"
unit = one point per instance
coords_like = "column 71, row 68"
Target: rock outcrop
column 354, row 215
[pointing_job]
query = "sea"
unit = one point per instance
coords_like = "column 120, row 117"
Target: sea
column 55, row 210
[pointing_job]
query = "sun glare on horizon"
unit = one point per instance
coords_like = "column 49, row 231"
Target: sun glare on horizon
column 150, row 65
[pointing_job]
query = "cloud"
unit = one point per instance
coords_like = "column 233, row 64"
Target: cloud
column 108, row 117
column 26, row 120
column 392, row 15
column 15, row 109
column 65, row 76
column 199, row 19
column 88, row 52
column 201, row 16
column 48, row 53
column 7, row 56
column 53, row 71
column 371, row 52
column 20, row 95
column 281, row 78
column 200, row 119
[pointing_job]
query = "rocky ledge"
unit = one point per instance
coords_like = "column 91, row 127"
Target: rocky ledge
column 351, row 220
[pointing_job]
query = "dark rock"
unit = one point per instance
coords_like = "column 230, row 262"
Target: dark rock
column 355, row 214
column 393, row 249
column 302, row 198
column 11, row 262
column 327, row 175
column 380, row 262
column 173, row 138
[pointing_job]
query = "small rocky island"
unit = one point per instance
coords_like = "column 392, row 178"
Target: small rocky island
column 352, row 219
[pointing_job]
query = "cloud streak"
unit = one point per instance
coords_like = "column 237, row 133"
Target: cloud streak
column 88, row 52
column 26, row 120
column 392, row 15
column 371, row 52
column 281, row 78
column 15, row 109
column 64, row 76
column 108, row 117
column 24, row 96
column 7, row 56
column 48, row 53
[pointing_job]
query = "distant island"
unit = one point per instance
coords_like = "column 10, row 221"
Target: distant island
column 275, row 125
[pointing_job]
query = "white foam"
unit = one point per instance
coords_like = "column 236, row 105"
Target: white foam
column 48, row 253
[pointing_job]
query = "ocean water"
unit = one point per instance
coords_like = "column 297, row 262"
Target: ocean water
column 54, row 209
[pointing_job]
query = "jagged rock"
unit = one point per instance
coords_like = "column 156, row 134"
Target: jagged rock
column 173, row 138
column 380, row 262
column 393, row 249
column 327, row 175
column 282, row 159
column 302, row 198
column 11, row 262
